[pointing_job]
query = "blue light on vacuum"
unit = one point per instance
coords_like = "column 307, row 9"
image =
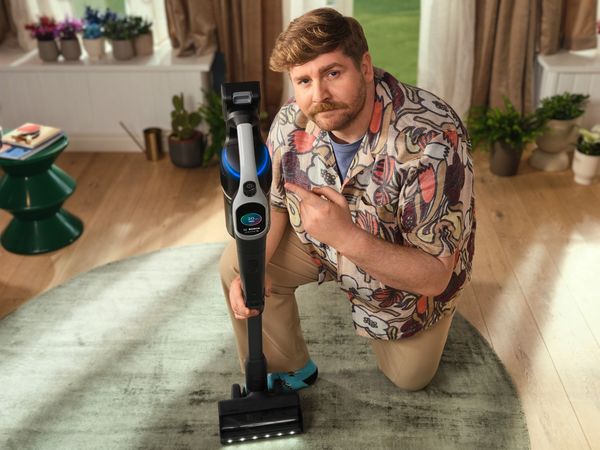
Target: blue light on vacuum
column 234, row 173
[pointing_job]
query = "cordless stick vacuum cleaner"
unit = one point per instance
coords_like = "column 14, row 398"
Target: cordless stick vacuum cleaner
column 253, row 412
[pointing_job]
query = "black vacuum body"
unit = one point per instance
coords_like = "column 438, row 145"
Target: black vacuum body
column 253, row 412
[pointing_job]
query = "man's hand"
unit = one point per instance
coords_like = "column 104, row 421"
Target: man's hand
column 325, row 214
column 236, row 298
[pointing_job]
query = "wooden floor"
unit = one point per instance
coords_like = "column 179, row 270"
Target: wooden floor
column 533, row 295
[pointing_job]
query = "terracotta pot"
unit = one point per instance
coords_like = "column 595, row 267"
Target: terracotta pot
column 585, row 167
column 123, row 49
column 95, row 48
column 559, row 138
column 48, row 50
column 504, row 159
column 144, row 44
column 70, row 49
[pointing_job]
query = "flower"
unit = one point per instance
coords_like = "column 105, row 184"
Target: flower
column 44, row 30
column 589, row 141
column 92, row 30
column 68, row 28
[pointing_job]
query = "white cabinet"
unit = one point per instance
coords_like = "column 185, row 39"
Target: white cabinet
column 88, row 100
column 577, row 72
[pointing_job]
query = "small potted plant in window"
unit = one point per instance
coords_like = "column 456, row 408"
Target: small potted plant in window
column 45, row 33
column 143, row 41
column 186, row 143
column 586, row 159
column 93, row 38
column 505, row 132
column 560, row 115
column 120, row 31
column 69, row 42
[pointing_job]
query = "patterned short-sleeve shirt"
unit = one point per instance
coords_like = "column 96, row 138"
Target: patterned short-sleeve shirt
column 410, row 183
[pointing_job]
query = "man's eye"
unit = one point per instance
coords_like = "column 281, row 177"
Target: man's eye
column 303, row 81
column 333, row 74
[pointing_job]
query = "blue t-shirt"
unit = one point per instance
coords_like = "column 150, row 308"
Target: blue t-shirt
column 344, row 154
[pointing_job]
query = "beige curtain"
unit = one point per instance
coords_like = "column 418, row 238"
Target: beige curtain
column 568, row 24
column 192, row 27
column 505, row 33
column 508, row 33
column 7, row 25
column 244, row 31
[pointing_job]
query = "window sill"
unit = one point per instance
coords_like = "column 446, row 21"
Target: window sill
column 162, row 60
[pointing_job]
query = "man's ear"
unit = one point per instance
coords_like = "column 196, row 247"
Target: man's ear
column 366, row 67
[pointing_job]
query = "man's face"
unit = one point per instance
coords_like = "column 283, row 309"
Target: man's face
column 330, row 90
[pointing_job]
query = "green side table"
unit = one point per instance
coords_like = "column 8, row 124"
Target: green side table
column 33, row 191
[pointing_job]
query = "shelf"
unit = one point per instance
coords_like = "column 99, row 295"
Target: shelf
column 163, row 60
column 583, row 61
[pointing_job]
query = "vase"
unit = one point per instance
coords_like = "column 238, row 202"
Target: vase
column 559, row 138
column 70, row 49
column 48, row 50
column 505, row 159
column 95, row 48
column 144, row 44
column 585, row 167
column 123, row 49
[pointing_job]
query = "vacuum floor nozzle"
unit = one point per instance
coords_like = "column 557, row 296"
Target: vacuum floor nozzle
column 259, row 415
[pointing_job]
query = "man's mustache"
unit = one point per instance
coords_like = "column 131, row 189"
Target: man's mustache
column 326, row 106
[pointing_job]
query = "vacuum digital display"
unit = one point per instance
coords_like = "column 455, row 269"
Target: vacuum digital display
column 250, row 219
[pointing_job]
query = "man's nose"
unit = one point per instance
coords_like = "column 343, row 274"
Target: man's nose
column 320, row 93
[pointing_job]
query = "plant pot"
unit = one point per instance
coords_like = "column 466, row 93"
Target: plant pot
column 187, row 153
column 48, row 50
column 95, row 48
column 504, row 159
column 123, row 49
column 70, row 49
column 559, row 138
column 144, row 44
column 585, row 167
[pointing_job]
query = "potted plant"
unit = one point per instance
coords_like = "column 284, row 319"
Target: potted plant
column 120, row 32
column 186, row 143
column 560, row 115
column 93, row 37
column 505, row 132
column 143, row 40
column 69, row 43
column 44, row 32
column 586, row 159
column 212, row 114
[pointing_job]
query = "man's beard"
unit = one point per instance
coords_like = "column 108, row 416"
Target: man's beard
column 345, row 112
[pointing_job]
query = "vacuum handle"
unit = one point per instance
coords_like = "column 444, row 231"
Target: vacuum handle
column 251, row 260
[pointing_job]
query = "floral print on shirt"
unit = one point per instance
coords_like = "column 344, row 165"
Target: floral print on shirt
column 410, row 183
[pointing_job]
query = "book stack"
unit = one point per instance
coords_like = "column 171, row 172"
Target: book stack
column 27, row 140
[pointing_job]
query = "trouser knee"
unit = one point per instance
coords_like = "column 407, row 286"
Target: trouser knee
column 228, row 264
column 411, row 380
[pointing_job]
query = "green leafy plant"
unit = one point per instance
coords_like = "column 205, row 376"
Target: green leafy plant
column 119, row 29
column 183, row 123
column 508, row 126
column 212, row 113
column 140, row 25
column 566, row 106
column 589, row 141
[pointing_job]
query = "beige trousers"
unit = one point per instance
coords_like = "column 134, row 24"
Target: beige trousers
column 409, row 363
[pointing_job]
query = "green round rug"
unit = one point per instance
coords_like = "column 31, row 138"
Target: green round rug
column 137, row 353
